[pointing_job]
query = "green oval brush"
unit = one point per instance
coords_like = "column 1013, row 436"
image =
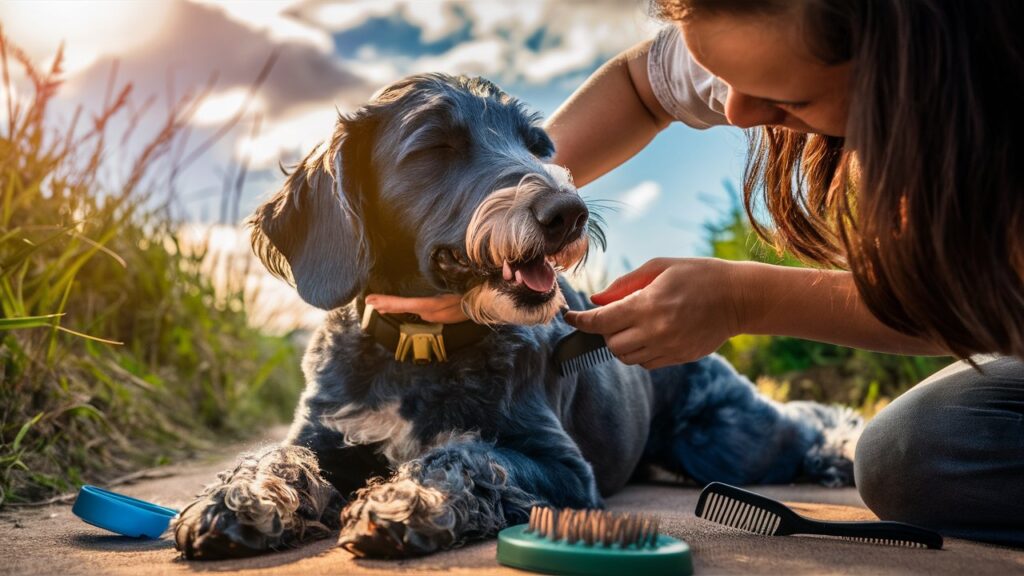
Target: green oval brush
column 592, row 543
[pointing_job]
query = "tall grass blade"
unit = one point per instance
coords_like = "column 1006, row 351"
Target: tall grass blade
column 28, row 322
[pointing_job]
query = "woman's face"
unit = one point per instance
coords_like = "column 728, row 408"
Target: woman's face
column 772, row 76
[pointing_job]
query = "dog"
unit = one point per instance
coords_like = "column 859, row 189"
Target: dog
column 412, row 438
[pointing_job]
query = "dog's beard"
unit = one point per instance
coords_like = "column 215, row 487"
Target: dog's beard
column 486, row 304
column 503, row 231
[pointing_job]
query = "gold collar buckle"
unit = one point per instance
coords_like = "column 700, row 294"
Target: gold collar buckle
column 424, row 341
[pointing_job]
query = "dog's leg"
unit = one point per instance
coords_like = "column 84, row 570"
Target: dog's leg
column 711, row 424
column 271, row 499
column 469, row 489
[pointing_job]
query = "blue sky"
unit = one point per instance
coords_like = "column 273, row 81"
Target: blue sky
column 334, row 55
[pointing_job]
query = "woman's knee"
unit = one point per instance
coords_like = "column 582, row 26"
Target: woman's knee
column 874, row 464
column 959, row 431
column 898, row 457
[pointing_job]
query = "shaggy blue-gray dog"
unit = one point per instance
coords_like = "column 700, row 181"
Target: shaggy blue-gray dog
column 412, row 439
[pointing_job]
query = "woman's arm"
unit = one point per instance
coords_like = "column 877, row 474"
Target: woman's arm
column 821, row 305
column 608, row 119
column 676, row 310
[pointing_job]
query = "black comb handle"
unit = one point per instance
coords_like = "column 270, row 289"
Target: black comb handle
column 577, row 350
column 752, row 512
column 879, row 531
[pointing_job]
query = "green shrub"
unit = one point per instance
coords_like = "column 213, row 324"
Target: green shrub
column 790, row 368
column 116, row 350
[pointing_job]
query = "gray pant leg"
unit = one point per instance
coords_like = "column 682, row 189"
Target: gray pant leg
column 949, row 454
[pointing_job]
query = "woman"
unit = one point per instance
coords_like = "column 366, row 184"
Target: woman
column 888, row 147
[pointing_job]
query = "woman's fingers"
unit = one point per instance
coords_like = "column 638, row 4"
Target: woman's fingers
column 627, row 342
column 607, row 320
column 631, row 282
column 446, row 308
column 399, row 304
column 670, row 311
column 634, row 358
column 452, row 314
column 659, row 362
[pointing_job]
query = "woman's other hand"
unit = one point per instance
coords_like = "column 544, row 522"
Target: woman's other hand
column 668, row 311
column 444, row 309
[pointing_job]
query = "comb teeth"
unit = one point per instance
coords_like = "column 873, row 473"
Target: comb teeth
column 736, row 514
column 593, row 527
column 586, row 360
column 886, row 541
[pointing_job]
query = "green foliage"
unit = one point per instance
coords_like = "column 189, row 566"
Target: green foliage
column 116, row 350
column 790, row 368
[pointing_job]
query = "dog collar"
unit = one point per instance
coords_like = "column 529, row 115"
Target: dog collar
column 423, row 341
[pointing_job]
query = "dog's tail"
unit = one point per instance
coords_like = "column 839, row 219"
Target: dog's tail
column 829, row 460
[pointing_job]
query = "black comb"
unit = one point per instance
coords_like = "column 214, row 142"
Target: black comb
column 580, row 350
column 745, row 510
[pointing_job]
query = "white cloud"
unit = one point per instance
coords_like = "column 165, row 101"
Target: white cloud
column 638, row 200
column 199, row 43
column 201, row 46
column 273, row 18
column 436, row 20
column 491, row 17
column 219, row 107
column 345, row 15
column 576, row 52
column 576, row 35
column 288, row 138
column 476, row 57
column 375, row 69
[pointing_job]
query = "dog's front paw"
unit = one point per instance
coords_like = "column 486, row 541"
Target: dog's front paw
column 208, row 530
column 272, row 500
column 397, row 519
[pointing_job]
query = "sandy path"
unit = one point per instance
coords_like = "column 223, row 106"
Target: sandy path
column 51, row 540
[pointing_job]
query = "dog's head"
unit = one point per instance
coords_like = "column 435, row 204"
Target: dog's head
column 439, row 184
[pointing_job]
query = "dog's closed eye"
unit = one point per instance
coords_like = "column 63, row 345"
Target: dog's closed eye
column 538, row 143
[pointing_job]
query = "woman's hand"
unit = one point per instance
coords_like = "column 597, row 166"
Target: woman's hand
column 445, row 309
column 668, row 311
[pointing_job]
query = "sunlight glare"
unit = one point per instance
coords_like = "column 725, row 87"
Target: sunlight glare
column 89, row 30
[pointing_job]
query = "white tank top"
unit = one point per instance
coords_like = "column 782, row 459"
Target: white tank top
column 687, row 91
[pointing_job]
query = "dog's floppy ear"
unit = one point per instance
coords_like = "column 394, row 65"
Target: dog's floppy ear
column 311, row 231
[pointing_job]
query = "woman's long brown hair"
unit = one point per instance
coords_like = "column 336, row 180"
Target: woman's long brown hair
column 923, row 201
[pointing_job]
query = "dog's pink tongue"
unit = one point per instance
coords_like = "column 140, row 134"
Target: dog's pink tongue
column 539, row 276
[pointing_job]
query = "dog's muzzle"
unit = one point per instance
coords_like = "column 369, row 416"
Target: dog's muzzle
column 529, row 231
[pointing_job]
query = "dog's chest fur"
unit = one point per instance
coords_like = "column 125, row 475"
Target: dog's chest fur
column 382, row 425
column 406, row 409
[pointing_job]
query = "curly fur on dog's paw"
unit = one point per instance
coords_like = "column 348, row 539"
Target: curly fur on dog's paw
column 208, row 530
column 397, row 519
column 271, row 500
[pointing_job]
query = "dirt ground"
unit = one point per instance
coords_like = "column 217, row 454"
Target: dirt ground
column 51, row 540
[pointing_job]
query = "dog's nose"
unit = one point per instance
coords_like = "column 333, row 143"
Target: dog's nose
column 559, row 215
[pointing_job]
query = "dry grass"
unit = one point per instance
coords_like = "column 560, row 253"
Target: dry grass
column 116, row 350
